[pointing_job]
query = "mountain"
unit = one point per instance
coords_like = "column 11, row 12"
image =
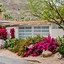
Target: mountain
column 19, row 9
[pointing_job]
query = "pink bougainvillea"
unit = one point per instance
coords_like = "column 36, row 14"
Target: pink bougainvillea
column 3, row 33
column 12, row 33
column 48, row 44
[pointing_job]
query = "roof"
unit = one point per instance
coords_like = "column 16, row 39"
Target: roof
column 24, row 22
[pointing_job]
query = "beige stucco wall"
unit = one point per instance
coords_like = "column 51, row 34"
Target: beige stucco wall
column 57, row 32
column 54, row 32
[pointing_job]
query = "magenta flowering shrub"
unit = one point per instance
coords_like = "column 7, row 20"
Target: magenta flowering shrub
column 48, row 44
column 12, row 33
column 3, row 33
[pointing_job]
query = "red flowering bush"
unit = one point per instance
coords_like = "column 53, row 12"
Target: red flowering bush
column 48, row 44
column 12, row 33
column 3, row 33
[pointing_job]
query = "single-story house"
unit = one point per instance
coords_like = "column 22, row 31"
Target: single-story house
column 31, row 28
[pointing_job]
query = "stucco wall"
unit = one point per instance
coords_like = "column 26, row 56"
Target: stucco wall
column 57, row 32
column 53, row 32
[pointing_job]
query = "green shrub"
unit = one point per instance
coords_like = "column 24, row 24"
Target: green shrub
column 10, row 43
column 19, row 46
column 30, row 40
column 61, row 49
column 7, row 16
column 2, row 8
column 34, row 40
column 60, row 40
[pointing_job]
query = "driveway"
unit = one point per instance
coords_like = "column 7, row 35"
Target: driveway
column 6, row 60
column 7, row 57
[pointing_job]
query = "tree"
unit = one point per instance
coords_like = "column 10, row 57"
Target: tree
column 51, row 10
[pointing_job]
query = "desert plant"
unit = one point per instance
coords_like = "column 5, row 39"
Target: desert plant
column 61, row 45
column 2, row 8
column 17, row 48
column 13, row 44
column 10, row 43
column 23, row 46
column 22, row 49
column 2, row 26
column 34, row 39
column 61, row 49
column 60, row 40
column 7, row 15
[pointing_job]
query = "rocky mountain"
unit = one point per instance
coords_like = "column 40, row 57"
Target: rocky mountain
column 19, row 9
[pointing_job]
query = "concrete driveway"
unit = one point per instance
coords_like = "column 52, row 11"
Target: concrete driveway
column 6, row 60
column 7, row 57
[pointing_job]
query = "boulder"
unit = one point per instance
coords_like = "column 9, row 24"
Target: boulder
column 46, row 53
column 30, row 46
column 58, row 55
column 2, row 43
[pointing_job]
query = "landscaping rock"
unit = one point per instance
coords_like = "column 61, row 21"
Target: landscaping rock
column 46, row 53
column 2, row 43
column 58, row 55
column 30, row 46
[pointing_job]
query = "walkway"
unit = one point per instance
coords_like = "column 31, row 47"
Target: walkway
column 7, row 57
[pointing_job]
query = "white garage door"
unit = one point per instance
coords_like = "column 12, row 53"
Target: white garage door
column 25, row 32
column 41, row 30
column 28, row 31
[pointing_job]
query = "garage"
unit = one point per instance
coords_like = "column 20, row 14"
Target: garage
column 27, row 31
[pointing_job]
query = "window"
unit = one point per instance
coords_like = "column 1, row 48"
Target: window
column 45, row 30
column 21, row 30
column 25, row 32
column 37, row 27
column 28, row 31
column 37, row 30
column 21, row 27
column 41, row 30
column 28, row 27
column 45, row 27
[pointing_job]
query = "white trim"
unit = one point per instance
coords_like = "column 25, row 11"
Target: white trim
column 50, row 30
column 32, row 31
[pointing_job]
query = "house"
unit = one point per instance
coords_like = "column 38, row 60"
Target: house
column 31, row 28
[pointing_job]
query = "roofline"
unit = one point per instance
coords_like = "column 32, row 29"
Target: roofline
column 24, row 21
column 4, row 22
